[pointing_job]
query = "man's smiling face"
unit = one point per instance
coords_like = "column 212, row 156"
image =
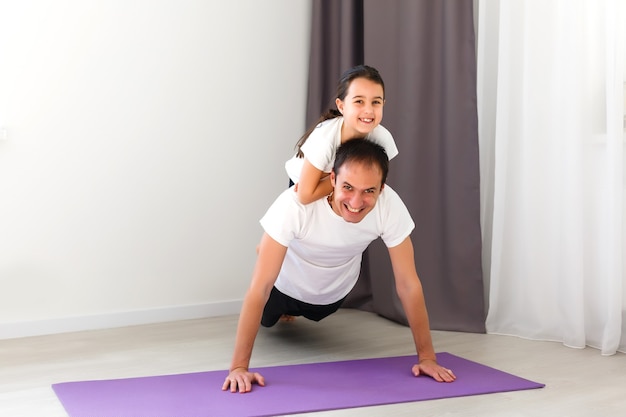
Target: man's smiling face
column 356, row 188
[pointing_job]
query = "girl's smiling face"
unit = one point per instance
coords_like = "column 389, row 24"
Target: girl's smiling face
column 362, row 108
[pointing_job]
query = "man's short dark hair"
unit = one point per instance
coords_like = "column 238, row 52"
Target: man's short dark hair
column 363, row 151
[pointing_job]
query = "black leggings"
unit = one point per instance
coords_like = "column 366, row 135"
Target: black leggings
column 279, row 304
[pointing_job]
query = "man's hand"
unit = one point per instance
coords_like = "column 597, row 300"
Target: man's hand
column 241, row 380
column 434, row 370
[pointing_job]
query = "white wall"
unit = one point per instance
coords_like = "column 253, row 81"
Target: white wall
column 144, row 140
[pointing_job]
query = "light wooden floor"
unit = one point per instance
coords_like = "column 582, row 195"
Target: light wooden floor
column 578, row 382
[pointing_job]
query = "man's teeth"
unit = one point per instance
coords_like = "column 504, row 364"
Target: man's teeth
column 351, row 210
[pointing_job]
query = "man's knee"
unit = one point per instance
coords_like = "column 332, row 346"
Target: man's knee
column 269, row 321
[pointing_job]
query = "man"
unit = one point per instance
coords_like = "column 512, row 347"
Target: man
column 310, row 256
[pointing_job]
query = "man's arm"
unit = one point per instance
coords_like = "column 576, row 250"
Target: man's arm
column 270, row 259
column 411, row 295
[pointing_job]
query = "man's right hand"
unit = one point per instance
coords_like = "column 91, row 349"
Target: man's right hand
column 241, row 380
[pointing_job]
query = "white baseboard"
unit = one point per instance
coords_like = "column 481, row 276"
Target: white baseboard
column 14, row 330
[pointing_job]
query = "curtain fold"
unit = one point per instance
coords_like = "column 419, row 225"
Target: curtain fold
column 336, row 45
column 551, row 107
column 425, row 52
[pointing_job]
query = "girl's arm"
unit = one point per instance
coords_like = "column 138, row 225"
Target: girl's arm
column 313, row 185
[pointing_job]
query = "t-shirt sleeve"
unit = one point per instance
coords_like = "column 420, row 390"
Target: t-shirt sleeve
column 396, row 220
column 384, row 138
column 319, row 148
column 284, row 220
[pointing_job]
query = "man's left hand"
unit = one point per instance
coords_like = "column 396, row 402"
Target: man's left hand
column 434, row 370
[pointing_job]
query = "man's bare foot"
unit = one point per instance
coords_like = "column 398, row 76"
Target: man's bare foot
column 287, row 317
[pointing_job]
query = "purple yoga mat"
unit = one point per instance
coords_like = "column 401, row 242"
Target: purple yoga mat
column 289, row 389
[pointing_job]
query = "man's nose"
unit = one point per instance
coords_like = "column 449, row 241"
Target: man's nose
column 356, row 200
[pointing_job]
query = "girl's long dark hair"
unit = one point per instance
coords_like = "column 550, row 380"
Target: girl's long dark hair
column 360, row 71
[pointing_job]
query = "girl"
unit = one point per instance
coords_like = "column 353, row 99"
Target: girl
column 360, row 98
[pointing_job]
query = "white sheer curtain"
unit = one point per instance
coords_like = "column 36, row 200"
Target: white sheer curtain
column 551, row 125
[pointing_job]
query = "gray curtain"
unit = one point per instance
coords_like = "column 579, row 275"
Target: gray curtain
column 425, row 52
column 336, row 45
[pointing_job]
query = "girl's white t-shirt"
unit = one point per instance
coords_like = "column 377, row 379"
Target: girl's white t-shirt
column 320, row 148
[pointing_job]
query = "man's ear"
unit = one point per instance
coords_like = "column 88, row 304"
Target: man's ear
column 333, row 178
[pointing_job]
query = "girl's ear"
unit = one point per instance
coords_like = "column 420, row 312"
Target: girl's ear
column 339, row 104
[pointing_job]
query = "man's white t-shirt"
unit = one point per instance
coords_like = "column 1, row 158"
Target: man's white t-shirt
column 321, row 146
column 324, row 251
